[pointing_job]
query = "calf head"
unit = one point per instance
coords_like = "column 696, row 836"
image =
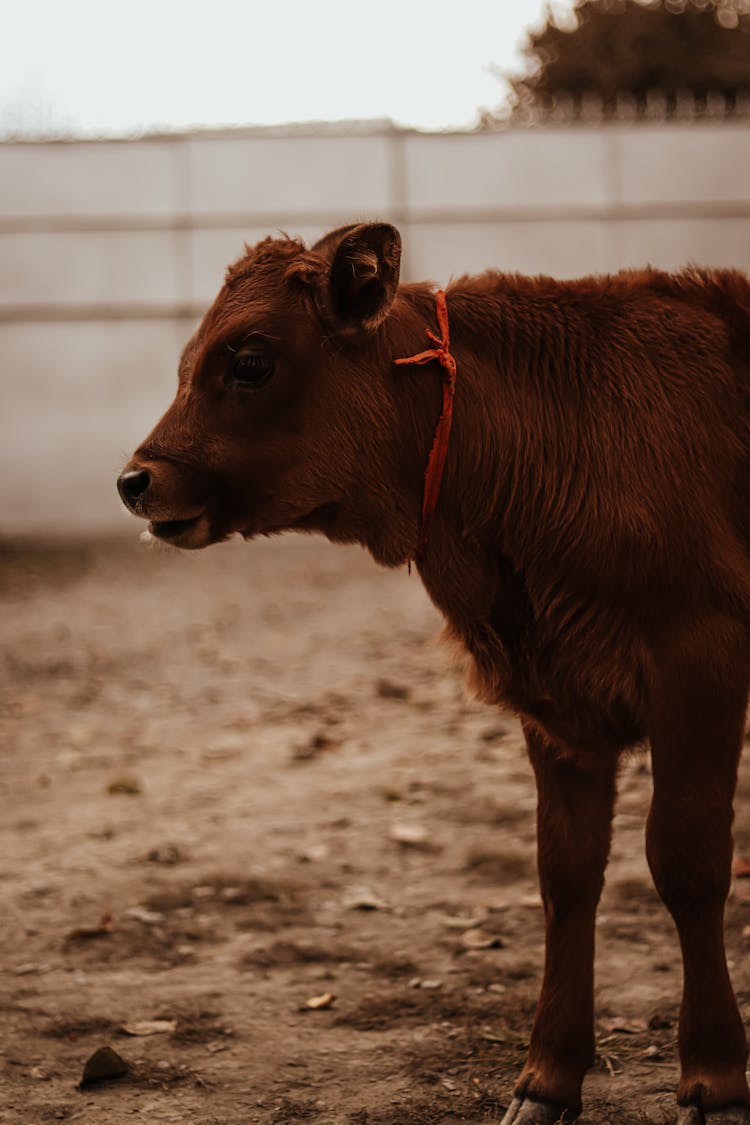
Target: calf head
column 283, row 399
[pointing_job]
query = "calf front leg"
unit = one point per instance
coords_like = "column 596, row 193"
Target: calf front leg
column 696, row 730
column 574, row 817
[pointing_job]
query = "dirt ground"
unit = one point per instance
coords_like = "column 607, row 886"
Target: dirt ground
column 242, row 782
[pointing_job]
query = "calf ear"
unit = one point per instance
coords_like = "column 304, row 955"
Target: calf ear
column 363, row 276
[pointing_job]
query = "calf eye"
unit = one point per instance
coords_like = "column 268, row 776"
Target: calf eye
column 252, row 369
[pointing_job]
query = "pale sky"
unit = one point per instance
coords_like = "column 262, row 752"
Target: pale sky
column 98, row 68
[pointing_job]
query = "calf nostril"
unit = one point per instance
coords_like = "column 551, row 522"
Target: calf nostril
column 132, row 485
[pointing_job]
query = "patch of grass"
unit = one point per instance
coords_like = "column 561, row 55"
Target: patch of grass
column 289, row 1110
column 77, row 1027
column 498, row 866
column 196, row 1025
column 476, row 1106
column 282, row 954
column 395, row 968
column 376, row 1012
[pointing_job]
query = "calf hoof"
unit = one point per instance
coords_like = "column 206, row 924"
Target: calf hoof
column 732, row 1115
column 525, row 1112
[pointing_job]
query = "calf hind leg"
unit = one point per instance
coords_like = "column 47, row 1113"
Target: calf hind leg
column 574, row 818
column 696, row 729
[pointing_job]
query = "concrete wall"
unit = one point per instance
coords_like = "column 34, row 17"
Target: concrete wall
column 109, row 251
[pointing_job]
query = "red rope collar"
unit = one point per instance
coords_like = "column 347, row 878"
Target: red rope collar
column 436, row 461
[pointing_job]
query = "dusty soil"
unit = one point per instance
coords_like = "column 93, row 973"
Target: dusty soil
column 240, row 781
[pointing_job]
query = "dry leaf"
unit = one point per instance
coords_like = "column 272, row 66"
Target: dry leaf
column 149, row 1027
column 480, row 939
column 741, row 867
column 141, row 914
column 468, row 922
column 319, row 1003
column 30, row 967
column 104, row 929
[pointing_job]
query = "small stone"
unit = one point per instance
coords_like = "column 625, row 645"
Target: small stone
column 125, row 785
column 104, row 1064
column 387, row 689
column 314, row 853
column 493, row 733
column 410, row 835
column 168, row 854
column 365, row 899
column 479, row 939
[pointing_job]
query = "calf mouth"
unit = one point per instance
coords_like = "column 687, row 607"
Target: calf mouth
column 191, row 533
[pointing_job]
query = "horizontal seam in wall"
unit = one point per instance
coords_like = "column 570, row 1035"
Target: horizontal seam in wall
column 133, row 224
column 76, row 314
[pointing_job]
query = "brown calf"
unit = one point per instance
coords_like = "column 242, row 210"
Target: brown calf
column 590, row 549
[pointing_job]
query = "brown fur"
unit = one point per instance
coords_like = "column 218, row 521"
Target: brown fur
column 590, row 549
